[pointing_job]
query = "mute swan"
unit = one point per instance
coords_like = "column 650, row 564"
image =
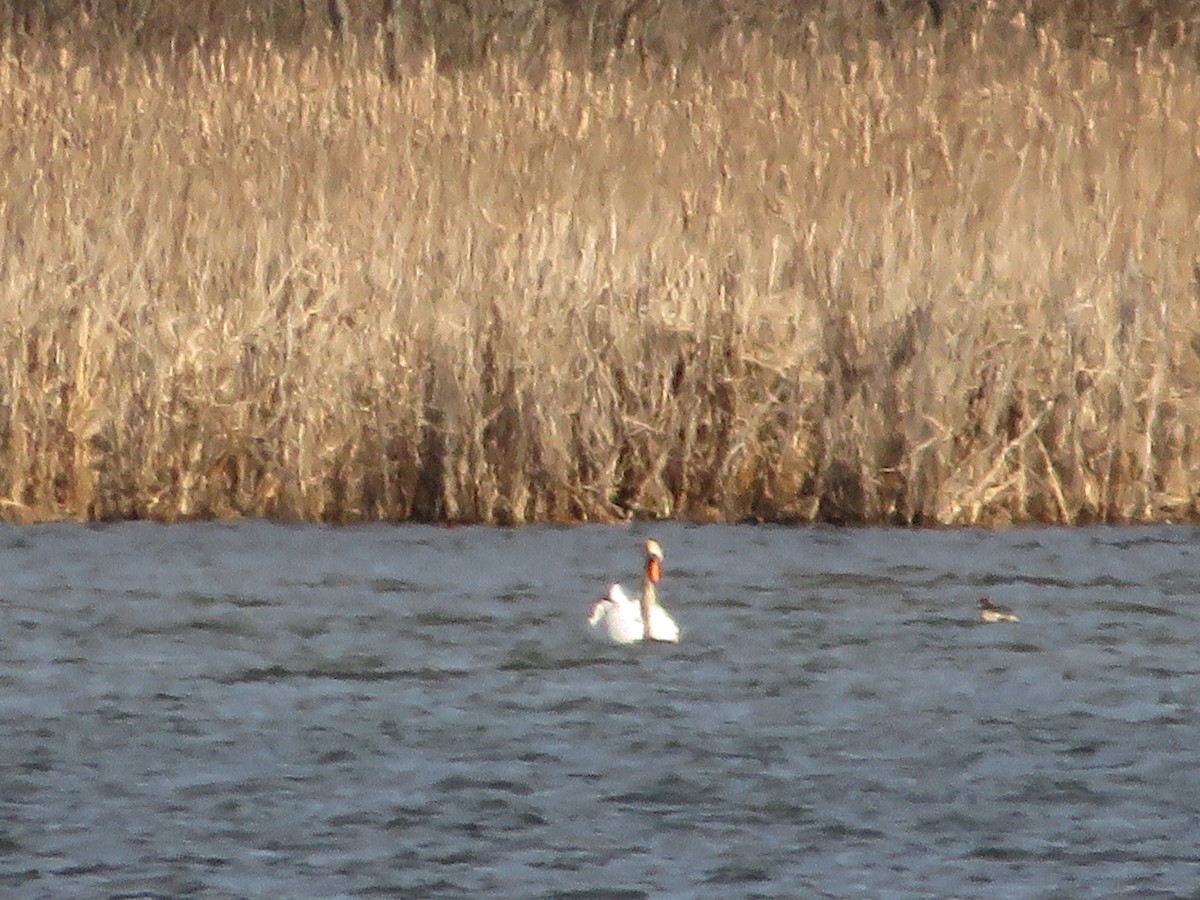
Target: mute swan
column 990, row 612
column 623, row 618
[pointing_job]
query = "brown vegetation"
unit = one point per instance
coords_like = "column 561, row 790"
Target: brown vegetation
column 938, row 276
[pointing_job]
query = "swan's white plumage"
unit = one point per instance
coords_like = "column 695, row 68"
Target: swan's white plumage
column 622, row 618
column 662, row 626
column 617, row 616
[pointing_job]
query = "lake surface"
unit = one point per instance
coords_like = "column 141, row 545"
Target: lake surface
column 258, row 710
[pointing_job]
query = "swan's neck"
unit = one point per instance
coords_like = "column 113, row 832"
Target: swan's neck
column 649, row 594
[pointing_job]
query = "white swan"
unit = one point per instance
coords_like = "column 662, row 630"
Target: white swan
column 623, row 618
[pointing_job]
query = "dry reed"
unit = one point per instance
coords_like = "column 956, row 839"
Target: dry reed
column 945, row 279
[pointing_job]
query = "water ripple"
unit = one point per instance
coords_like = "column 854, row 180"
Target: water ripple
column 260, row 710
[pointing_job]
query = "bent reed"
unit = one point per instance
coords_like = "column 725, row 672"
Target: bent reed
column 950, row 279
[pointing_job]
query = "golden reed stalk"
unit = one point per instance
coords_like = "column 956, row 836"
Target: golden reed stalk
column 950, row 277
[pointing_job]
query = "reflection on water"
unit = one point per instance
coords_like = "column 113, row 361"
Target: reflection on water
column 263, row 710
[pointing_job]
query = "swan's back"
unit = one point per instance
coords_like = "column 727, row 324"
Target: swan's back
column 617, row 617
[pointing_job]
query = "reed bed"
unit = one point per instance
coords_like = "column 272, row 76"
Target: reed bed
column 949, row 279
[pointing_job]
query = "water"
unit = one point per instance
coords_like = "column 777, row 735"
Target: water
column 259, row 710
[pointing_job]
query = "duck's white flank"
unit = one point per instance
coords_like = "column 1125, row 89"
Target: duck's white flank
column 990, row 612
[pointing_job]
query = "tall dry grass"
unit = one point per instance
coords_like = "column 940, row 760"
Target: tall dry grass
column 946, row 279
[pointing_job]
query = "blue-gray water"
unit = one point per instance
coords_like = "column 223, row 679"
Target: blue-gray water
column 255, row 710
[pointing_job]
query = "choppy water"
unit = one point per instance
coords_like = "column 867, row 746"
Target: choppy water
column 257, row 710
